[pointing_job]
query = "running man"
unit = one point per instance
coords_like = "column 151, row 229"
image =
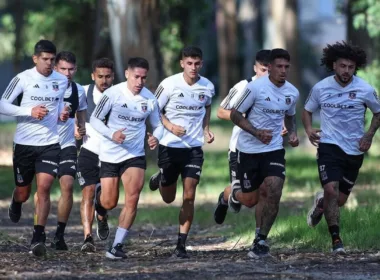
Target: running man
column 185, row 103
column 342, row 100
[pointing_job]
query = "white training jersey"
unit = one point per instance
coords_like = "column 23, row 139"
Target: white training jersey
column 227, row 103
column 66, row 129
column 31, row 89
column 265, row 106
column 93, row 138
column 342, row 111
column 119, row 108
column 184, row 105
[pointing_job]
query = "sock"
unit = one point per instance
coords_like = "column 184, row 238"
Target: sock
column 121, row 234
column 182, row 239
column 38, row 233
column 60, row 229
column 334, row 231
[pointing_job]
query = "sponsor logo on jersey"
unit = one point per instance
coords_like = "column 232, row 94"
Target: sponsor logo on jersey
column 267, row 99
column 181, row 95
column 55, row 86
column 125, row 105
column 337, row 106
column 288, row 100
column 352, row 94
column 191, row 108
column 131, row 119
column 36, row 86
column 144, row 107
column 273, row 111
column 44, row 98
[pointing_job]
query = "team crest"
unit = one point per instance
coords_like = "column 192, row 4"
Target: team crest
column 201, row 97
column 144, row 107
column 288, row 100
column 55, row 86
column 352, row 94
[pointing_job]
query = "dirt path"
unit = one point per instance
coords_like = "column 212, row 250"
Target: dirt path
column 212, row 257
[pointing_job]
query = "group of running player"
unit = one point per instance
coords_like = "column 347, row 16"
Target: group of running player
column 54, row 114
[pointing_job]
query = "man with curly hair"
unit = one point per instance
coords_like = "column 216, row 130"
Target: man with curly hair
column 342, row 99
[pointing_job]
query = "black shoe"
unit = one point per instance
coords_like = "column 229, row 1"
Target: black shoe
column 154, row 182
column 337, row 247
column 98, row 207
column 38, row 249
column 316, row 212
column 88, row 245
column 116, row 253
column 14, row 211
column 59, row 243
column 103, row 230
column 233, row 204
column 180, row 252
column 259, row 249
column 220, row 210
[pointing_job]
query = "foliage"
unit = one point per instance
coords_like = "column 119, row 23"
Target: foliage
column 367, row 16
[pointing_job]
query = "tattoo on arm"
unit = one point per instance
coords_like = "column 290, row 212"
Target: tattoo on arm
column 375, row 124
column 238, row 119
column 290, row 123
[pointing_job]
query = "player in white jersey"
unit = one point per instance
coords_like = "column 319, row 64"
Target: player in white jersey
column 120, row 117
column 39, row 93
column 88, row 159
column 342, row 99
column 185, row 103
column 260, row 153
column 261, row 69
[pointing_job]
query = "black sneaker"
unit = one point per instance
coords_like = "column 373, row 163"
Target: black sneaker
column 180, row 252
column 316, row 212
column 103, row 230
column 260, row 249
column 154, row 182
column 116, row 253
column 338, row 248
column 98, row 207
column 88, row 245
column 59, row 243
column 38, row 248
column 220, row 210
column 233, row 204
column 14, row 211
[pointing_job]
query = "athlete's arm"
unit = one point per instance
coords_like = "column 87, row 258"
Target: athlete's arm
column 156, row 123
column 290, row 124
column 312, row 133
column 206, row 125
column 81, row 122
column 223, row 114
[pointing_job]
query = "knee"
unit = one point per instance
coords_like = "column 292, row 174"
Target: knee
column 249, row 200
column 263, row 193
column 88, row 194
column 108, row 205
column 22, row 194
column 331, row 190
column 67, row 190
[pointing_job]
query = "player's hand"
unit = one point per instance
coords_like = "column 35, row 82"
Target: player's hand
column 313, row 135
column 284, row 131
column 264, row 135
column 64, row 116
column 177, row 130
column 82, row 131
column 152, row 141
column 118, row 136
column 365, row 142
column 39, row 112
column 293, row 140
column 209, row 136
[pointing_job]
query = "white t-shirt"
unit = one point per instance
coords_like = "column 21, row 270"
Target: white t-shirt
column 342, row 111
column 121, row 109
column 35, row 89
column 67, row 129
column 265, row 106
column 184, row 105
column 227, row 103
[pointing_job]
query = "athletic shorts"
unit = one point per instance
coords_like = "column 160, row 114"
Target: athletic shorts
column 30, row 160
column 108, row 169
column 334, row 165
column 68, row 162
column 88, row 168
column 254, row 168
column 175, row 161
column 232, row 161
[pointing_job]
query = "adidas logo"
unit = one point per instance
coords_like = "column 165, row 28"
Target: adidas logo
column 73, row 167
column 181, row 95
column 36, row 86
column 125, row 105
column 55, row 170
column 267, row 99
column 198, row 173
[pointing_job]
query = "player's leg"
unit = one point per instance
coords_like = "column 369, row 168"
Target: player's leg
column 259, row 207
column 133, row 182
column 107, row 195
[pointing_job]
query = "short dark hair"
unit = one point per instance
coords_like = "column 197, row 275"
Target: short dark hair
column 263, row 57
column 139, row 62
column 44, row 46
column 191, row 51
column 279, row 53
column 102, row 63
column 66, row 56
column 343, row 50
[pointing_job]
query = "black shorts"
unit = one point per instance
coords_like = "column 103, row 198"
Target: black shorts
column 108, row 169
column 68, row 162
column 30, row 160
column 232, row 161
column 334, row 165
column 254, row 168
column 88, row 168
column 174, row 161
